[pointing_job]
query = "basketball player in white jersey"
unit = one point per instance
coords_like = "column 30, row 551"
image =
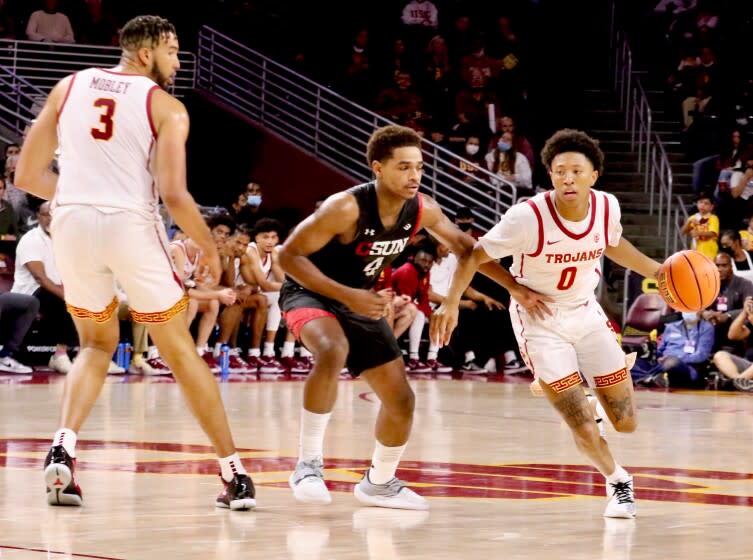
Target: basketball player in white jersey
column 122, row 146
column 263, row 254
column 556, row 240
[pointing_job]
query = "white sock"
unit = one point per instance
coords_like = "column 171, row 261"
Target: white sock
column 618, row 474
column 217, row 349
column 433, row 351
column 254, row 352
column 413, row 356
column 200, row 350
column 384, row 463
column 470, row 356
column 311, row 443
column 414, row 333
column 67, row 438
column 288, row 349
column 230, row 466
column 152, row 352
column 269, row 349
column 304, row 352
column 509, row 356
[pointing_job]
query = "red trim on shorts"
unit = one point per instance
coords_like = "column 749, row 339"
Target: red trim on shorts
column 96, row 316
column 417, row 225
column 566, row 382
column 297, row 318
column 541, row 229
column 610, row 379
column 606, row 221
column 149, row 109
column 556, row 218
column 169, row 260
column 67, row 93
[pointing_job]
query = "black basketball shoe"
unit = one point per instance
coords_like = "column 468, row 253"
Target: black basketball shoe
column 59, row 469
column 238, row 494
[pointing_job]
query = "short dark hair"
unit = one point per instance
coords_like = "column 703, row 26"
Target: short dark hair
column 265, row 225
column 733, row 234
column 384, row 140
column 221, row 220
column 703, row 196
column 570, row 140
column 144, row 31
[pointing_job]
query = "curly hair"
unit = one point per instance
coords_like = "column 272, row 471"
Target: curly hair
column 144, row 31
column 569, row 140
column 384, row 140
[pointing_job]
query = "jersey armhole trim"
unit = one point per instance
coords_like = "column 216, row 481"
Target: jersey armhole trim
column 606, row 221
column 419, row 215
column 149, row 109
column 67, row 93
column 540, row 244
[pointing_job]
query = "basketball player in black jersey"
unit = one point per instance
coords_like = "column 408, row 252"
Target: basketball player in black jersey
column 332, row 260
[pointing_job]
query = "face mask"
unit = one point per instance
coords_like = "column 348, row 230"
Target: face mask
column 472, row 149
column 728, row 250
column 503, row 146
column 254, row 200
column 689, row 317
column 465, row 226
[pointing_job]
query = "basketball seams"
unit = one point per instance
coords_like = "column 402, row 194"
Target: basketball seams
column 695, row 278
column 678, row 290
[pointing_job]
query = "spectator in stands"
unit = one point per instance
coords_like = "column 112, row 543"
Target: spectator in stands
column 520, row 143
column 358, row 78
column 14, row 195
column 98, row 26
column 237, row 206
column 703, row 227
column 420, row 20
column 36, row 274
column 478, row 69
column 17, row 313
column 464, row 220
column 460, row 39
column 741, row 188
column 731, row 243
column 471, row 164
column 435, row 83
column 49, row 25
column 733, row 366
column 729, row 303
column 7, row 27
column 400, row 102
column 510, row 165
column 8, row 218
column 706, row 83
column 504, row 47
column 684, row 351
column 254, row 209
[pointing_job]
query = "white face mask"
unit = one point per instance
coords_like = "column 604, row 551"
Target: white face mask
column 472, row 149
column 690, row 317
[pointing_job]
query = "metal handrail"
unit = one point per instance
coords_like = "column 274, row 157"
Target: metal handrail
column 331, row 127
column 652, row 157
column 19, row 101
column 680, row 240
column 45, row 64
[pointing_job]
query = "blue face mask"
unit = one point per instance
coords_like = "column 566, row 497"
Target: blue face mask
column 254, row 200
column 503, row 146
column 689, row 317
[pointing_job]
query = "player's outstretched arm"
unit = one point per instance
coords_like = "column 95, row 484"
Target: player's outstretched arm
column 625, row 254
column 338, row 215
column 33, row 173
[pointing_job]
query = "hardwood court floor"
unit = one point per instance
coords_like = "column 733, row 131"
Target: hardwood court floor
column 502, row 475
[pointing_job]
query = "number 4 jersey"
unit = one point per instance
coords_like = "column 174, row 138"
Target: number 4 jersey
column 358, row 263
column 554, row 256
column 107, row 139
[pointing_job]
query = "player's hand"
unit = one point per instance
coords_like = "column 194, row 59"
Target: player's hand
column 373, row 305
column 443, row 322
column 492, row 303
column 226, row 296
column 209, row 271
column 534, row 302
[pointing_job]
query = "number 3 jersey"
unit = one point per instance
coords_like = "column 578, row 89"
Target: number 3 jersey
column 358, row 263
column 106, row 137
column 554, row 256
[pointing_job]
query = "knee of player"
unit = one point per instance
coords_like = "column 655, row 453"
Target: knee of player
column 626, row 425
column 587, row 435
column 330, row 350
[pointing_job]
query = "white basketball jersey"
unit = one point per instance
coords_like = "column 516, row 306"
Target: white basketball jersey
column 107, row 139
column 189, row 267
column 551, row 255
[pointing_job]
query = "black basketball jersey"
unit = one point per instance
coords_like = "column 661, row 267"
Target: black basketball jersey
column 359, row 263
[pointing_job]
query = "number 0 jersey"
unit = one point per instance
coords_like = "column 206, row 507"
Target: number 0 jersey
column 107, row 138
column 554, row 256
column 359, row 263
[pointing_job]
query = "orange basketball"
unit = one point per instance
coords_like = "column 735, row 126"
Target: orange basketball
column 688, row 281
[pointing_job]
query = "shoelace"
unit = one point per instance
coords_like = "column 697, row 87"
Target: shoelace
column 309, row 468
column 391, row 487
column 623, row 491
